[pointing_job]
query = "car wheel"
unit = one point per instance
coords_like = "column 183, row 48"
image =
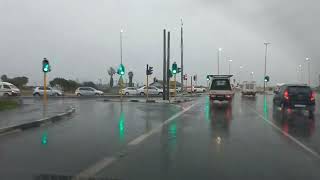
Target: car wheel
column 160, row 93
column 127, row 93
column 36, row 94
column 79, row 94
column 96, row 94
column 142, row 94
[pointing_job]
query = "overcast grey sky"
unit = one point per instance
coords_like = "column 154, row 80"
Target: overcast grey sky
column 81, row 37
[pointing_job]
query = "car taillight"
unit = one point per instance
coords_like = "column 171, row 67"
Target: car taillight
column 313, row 96
column 286, row 94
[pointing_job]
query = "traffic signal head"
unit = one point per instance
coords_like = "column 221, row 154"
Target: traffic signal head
column 208, row 77
column 174, row 68
column 266, row 79
column 179, row 70
column 149, row 70
column 121, row 70
column 170, row 73
column 45, row 66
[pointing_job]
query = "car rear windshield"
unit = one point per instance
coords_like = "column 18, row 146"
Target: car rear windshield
column 299, row 90
column 249, row 86
column 220, row 84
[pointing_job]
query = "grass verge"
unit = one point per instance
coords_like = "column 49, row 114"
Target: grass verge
column 7, row 104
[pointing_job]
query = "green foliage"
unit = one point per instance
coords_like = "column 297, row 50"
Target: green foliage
column 66, row 85
column 17, row 81
column 89, row 84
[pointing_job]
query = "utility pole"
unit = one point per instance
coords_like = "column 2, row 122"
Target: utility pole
column 181, row 55
column 121, row 31
column 265, row 66
column 308, row 60
column 147, row 82
column 164, row 66
column 219, row 52
column 168, row 67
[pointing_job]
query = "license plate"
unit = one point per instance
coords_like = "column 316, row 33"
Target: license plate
column 220, row 96
column 299, row 105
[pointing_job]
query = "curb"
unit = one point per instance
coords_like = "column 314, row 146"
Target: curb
column 150, row 101
column 37, row 123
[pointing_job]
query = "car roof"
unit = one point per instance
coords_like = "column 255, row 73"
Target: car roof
column 6, row 83
column 300, row 85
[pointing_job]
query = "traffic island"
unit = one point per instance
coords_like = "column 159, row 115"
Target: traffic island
column 37, row 123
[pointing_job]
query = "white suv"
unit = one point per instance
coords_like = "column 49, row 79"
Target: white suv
column 8, row 89
column 88, row 91
column 39, row 91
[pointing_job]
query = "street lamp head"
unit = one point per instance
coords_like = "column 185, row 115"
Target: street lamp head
column 307, row 59
column 266, row 43
column 252, row 72
column 230, row 60
column 300, row 65
column 241, row 67
column 121, row 30
column 220, row 49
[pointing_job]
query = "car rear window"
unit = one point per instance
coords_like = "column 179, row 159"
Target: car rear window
column 299, row 90
column 220, row 84
column 249, row 86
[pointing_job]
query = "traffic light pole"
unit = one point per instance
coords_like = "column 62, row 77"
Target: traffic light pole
column 168, row 66
column 45, row 87
column 147, row 88
column 121, row 88
column 175, row 85
column 191, row 86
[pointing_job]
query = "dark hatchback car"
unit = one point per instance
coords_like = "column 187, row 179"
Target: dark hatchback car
column 295, row 96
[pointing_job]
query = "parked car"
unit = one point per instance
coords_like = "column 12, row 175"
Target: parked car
column 220, row 88
column 198, row 89
column 8, row 89
column 295, row 96
column 87, row 91
column 249, row 88
column 39, row 91
column 129, row 91
column 152, row 90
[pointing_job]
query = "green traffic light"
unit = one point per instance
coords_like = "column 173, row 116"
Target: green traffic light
column 174, row 71
column 44, row 138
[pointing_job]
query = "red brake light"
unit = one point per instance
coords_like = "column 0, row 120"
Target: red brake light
column 313, row 96
column 286, row 94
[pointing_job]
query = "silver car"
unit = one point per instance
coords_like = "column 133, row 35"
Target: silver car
column 39, row 91
column 152, row 90
column 88, row 91
column 129, row 91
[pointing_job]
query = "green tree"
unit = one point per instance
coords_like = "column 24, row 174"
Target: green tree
column 89, row 84
column 4, row 78
column 130, row 74
column 66, row 85
column 17, row 81
column 111, row 72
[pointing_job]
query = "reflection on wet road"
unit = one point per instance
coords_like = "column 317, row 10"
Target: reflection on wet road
column 247, row 139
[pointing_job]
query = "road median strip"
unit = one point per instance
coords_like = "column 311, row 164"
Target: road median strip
column 36, row 123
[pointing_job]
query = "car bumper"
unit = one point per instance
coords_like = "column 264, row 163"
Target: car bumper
column 220, row 97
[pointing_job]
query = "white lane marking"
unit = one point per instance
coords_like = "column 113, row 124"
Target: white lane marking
column 94, row 169
column 141, row 138
column 306, row 148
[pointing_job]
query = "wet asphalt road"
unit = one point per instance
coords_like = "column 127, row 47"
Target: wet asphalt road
column 193, row 140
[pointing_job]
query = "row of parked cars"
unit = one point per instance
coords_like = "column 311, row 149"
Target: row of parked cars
column 8, row 89
column 152, row 90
